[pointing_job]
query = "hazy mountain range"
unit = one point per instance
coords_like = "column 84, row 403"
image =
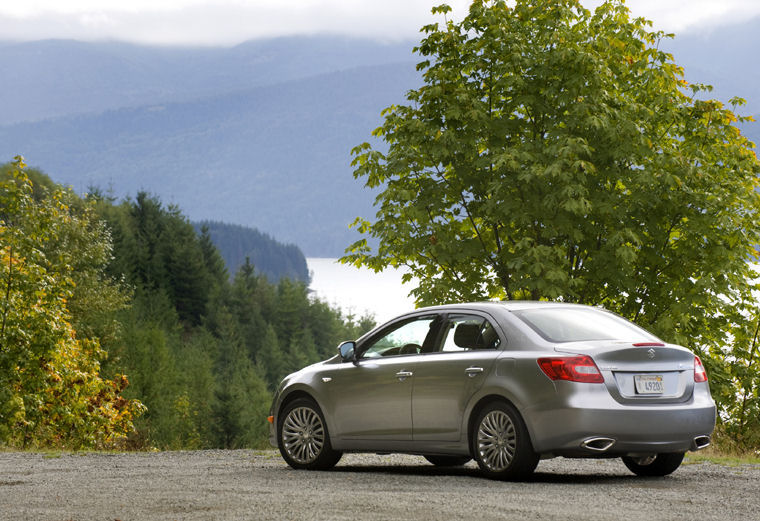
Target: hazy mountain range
column 273, row 154
column 259, row 134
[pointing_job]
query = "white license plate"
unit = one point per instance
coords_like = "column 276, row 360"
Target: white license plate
column 649, row 384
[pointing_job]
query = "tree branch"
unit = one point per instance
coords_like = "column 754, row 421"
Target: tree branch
column 753, row 350
column 7, row 297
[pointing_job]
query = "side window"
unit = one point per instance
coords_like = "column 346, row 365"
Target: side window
column 468, row 332
column 409, row 338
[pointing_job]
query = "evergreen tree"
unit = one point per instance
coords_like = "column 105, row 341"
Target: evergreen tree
column 271, row 358
column 241, row 397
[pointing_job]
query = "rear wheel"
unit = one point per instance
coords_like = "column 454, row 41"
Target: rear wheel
column 447, row 461
column 655, row 465
column 501, row 444
column 302, row 437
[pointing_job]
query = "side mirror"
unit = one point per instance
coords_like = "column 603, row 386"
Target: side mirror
column 347, row 351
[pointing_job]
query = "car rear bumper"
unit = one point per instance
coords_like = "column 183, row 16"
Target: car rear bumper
column 612, row 429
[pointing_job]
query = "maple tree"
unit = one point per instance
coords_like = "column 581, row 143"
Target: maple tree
column 51, row 391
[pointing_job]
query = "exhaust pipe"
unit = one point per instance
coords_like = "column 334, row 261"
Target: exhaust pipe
column 598, row 444
column 701, row 442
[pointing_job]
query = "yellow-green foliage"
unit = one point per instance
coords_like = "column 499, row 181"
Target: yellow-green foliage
column 51, row 392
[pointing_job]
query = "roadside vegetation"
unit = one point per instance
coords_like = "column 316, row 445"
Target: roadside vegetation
column 121, row 327
column 721, row 456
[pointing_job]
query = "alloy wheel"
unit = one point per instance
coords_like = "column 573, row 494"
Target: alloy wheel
column 497, row 440
column 303, row 435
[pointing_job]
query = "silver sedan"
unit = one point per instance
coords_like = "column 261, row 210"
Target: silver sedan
column 504, row 383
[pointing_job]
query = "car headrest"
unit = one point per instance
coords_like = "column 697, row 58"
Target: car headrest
column 467, row 335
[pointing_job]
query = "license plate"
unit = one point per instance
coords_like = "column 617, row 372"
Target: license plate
column 649, row 384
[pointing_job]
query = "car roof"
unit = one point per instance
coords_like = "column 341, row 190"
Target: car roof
column 503, row 305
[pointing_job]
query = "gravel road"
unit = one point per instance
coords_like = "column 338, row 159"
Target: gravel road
column 245, row 484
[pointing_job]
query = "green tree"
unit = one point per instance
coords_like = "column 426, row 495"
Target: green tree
column 51, row 389
column 148, row 358
column 735, row 383
column 212, row 259
column 196, row 367
column 242, row 400
column 556, row 153
column 271, row 358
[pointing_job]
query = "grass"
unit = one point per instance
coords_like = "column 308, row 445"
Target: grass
column 719, row 457
column 54, row 454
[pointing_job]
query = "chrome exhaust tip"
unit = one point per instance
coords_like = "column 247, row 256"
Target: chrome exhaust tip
column 598, row 444
column 701, row 442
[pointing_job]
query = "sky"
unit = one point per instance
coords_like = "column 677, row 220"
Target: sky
column 360, row 291
column 229, row 22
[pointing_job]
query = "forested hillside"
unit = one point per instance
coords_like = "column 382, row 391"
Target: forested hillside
column 164, row 339
column 274, row 157
column 237, row 243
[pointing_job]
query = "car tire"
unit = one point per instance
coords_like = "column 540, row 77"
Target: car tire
column 501, row 445
column 302, row 436
column 447, row 461
column 658, row 465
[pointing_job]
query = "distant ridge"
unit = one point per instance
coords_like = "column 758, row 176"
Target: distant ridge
column 269, row 257
column 276, row 157
column 53, row 78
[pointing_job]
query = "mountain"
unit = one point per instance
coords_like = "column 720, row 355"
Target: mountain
column 273, row 157
column 54, row 78
column 271, row 258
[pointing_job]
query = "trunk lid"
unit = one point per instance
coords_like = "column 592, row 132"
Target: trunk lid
column 640, row 372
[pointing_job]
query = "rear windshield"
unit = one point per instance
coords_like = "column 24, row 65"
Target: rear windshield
column 558, row 324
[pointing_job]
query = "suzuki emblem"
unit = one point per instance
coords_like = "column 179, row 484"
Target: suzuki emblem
column 651, row 353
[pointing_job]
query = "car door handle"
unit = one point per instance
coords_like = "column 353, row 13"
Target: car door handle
column 403, row 375
column 473, row 371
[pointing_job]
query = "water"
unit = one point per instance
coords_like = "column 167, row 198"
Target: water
column 360, row 290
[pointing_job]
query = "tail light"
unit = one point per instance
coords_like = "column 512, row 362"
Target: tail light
column 700, row 375
column 571, row 368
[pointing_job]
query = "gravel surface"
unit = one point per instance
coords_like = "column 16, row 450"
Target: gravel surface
column 247, row 484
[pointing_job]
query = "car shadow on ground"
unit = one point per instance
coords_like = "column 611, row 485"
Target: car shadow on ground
column 471, row 471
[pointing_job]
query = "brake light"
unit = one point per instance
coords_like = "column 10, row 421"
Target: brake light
column 648, row 344
column 572, row 368
column 700, row 375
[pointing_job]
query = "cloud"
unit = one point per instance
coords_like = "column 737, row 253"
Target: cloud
column 692, row 15
column 219, row 22
column 227, row 22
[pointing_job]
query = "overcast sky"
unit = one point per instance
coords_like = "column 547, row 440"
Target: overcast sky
column 228, row 22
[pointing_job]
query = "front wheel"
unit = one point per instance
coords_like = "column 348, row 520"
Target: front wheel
column 655, row 465
column 302, row 437
column 501, row 444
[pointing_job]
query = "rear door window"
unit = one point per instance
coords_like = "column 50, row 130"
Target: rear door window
column 468, row 333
